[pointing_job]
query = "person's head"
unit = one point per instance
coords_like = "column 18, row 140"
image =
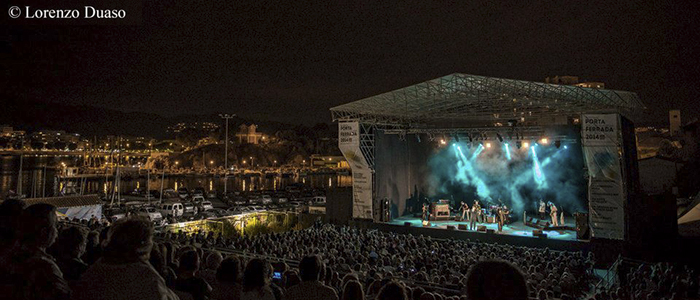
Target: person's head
column 229, row 270
column 157, row 260
column 10, row 214
column 72, row 241
column 310, row 268
column 189, row 262
column 495, row 280
column 256, row 274
column 129, row 240
column 214, row 260
column 393, row 290
column 38, row 225
column 353, row 290
column 291, row 278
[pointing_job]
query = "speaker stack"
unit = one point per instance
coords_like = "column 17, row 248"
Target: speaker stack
column 481, row 228
column 450, row 227
column 462, row 227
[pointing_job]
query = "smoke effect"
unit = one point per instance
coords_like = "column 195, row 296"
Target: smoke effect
column 516, row 177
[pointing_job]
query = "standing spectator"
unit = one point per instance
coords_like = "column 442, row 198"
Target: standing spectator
column 227, row 285
column 393, row 290
column 212, row 265
column 256, row 281
column 352, row 290
column 92, row 248
column 35, row 274
column 68, row 249
column 311, row 288
column 124, row 271
column 496, row 280
column 187, row 278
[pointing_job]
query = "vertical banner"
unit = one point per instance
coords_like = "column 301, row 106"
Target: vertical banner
column 600, row 135
column 349, row 144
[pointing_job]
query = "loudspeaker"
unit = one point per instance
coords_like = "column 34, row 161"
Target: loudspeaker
column 481, row 228
column 536, row 232
column 462, row 227
column 490, row 231
column 450, row 227
column 542, row 236
column 407, row 224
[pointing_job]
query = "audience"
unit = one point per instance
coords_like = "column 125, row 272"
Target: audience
column 31, row 270
column 352, row 290
column 496, row 280
column 124, row 271
column 124, row 263
column 68, row 249
column 256, row 281
column 310, row 287
column 228, row 286
column 187, row 279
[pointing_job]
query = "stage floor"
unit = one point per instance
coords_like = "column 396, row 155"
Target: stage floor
column 515, row 228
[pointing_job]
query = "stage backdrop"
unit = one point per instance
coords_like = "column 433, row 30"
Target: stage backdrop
column 349, row 144
column 600, row 136
column 401, row 166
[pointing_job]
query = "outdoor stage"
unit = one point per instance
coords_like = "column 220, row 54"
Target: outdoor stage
column 514, row 229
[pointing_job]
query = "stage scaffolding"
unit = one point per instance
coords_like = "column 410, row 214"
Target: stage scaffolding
column 461, row 100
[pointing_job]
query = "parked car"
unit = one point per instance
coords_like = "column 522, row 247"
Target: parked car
column 206, row 205
column 189, row 207
column 318, row 200
column 175, row 209
column 282, row 200
column 265, row 199
column 183, row 193
column 150, row 212
column 198, row 191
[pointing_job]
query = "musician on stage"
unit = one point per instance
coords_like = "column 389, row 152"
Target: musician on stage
column 465, row 210
column 553, row 214
column 500, row 217
column 425, row 212
column 474, row 215
column 542, row 210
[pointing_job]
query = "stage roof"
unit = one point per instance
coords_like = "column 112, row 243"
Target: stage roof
column 469, row 100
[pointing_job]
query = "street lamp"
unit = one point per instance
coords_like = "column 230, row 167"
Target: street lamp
column 227, row 117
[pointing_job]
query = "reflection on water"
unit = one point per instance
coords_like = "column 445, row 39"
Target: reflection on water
column 38, row 182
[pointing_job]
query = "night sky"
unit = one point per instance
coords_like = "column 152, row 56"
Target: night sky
column 291, row 61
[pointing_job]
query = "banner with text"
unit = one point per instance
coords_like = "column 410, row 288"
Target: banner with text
column 600, row 136
column 349, row 144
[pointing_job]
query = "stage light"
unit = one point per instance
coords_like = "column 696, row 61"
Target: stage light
column 526, row 144
column 442, row 141
column 544, row 141
column 488, row 145
column 566, row 147
column 557, row 144
column 508, row 151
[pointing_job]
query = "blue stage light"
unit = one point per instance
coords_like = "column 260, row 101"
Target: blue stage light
column 508, row 151
column 537, row 170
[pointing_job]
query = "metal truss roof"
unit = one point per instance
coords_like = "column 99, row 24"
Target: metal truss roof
column 479, row 100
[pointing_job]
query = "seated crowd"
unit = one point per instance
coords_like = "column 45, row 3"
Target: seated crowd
column 46, row 259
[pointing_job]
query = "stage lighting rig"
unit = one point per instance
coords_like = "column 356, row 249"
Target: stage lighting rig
column 500, row 138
